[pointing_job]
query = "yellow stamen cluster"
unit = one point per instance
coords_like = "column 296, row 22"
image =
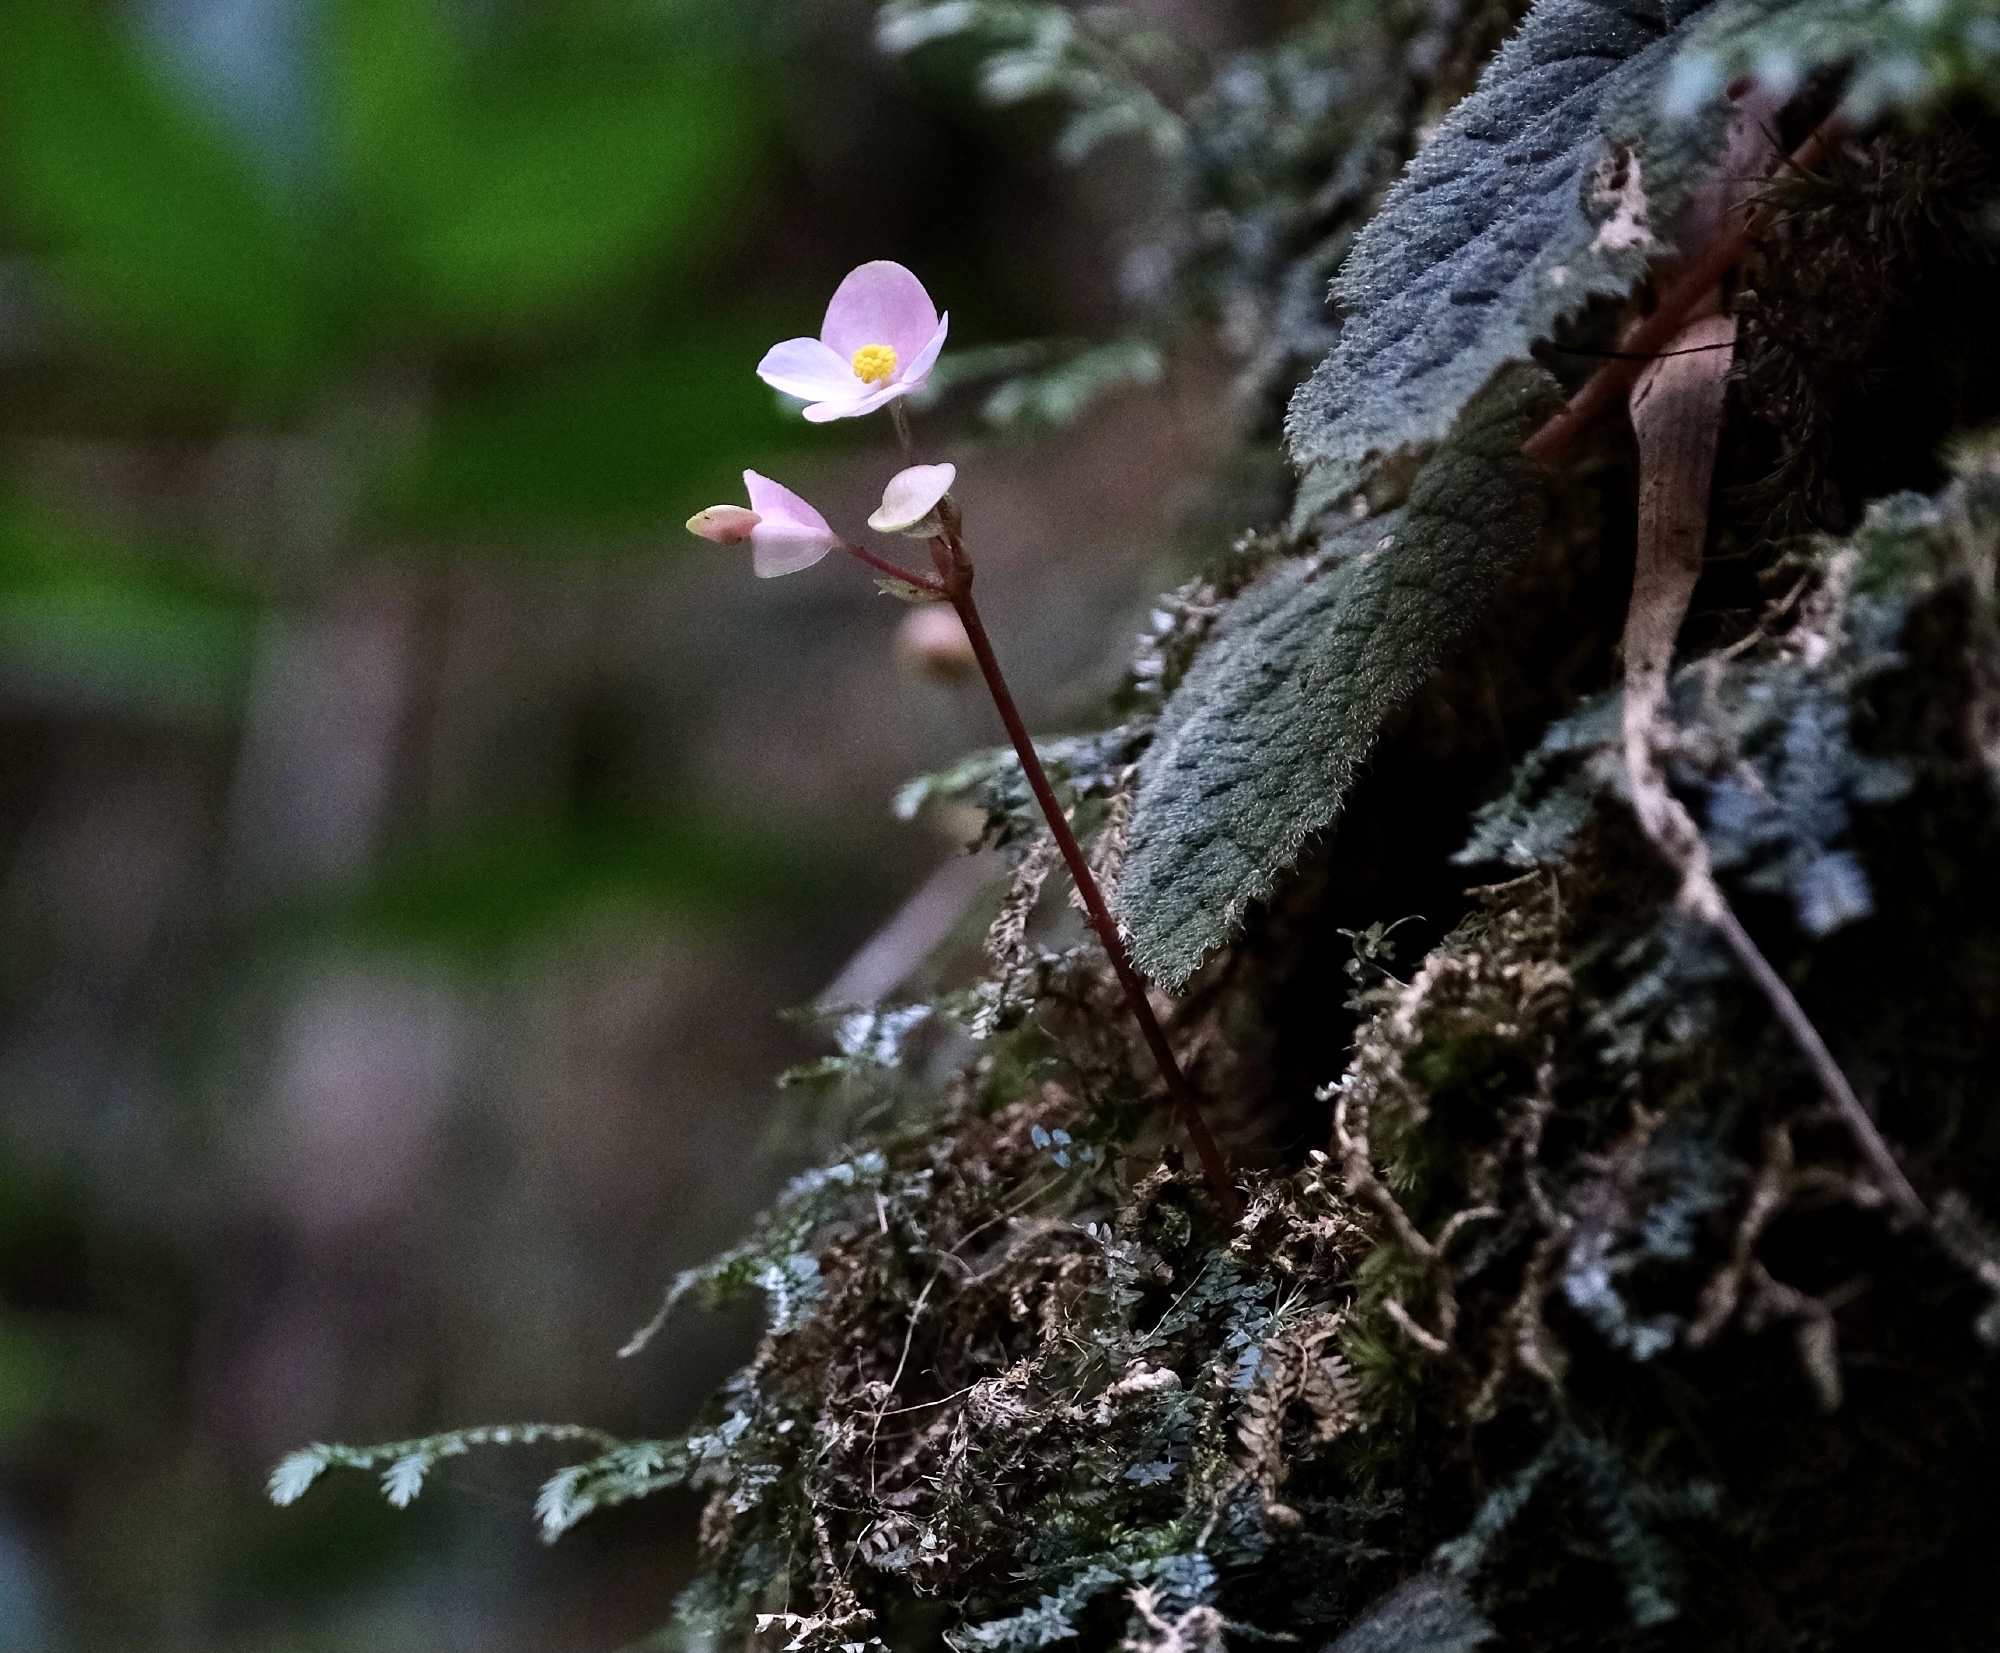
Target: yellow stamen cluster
column 874, row 362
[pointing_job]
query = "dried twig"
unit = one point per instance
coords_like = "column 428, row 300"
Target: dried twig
column 1677, row 416
column 1523, row 1338
column 1813, row 1328
column 1357, row 1164
column 1006, row 943
column 1768, row 1196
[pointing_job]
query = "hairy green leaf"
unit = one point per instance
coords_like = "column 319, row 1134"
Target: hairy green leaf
column 1552, row 184
column 1262, row 739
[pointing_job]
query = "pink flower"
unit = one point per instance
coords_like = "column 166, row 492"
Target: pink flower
column 880, row 340
column 785, row 533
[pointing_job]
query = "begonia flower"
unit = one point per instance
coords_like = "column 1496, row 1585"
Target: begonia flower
column 880, row 340
column 909, row 504
column 785, row 533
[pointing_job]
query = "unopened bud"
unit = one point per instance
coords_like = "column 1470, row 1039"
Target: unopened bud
column 724, row 524
column 931, row 642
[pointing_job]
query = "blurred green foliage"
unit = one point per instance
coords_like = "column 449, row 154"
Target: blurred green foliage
column 582, row 450
column 454, row 281
column 485, row 293
column 487, row 893
column 477, row 200
column 89, row 621
column 156, row 225
column 507, row 186
column 464, row 303
column 51, row 1326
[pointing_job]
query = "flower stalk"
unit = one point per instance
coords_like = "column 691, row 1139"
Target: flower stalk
column 954, row 568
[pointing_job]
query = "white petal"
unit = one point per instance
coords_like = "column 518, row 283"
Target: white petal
column 912, row 495
column 853, row 407
column 807, row 368
column 782, row 551
column 912, row 376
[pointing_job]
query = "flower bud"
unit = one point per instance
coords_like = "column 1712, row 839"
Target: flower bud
column 724, row 524
column 931, row 643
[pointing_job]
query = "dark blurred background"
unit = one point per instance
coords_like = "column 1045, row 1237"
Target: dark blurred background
column 409, row 839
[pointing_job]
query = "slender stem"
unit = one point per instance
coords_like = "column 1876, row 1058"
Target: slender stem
column 955, row 568
column 1895, row 1184
column 895, row 571
column 900, row 418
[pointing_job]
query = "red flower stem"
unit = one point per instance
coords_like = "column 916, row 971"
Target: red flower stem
column 955, row 577
column 895, row 571
column 1645, row 338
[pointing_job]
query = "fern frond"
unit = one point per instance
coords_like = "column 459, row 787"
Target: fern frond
column 405, row 1465
column 627, row 1471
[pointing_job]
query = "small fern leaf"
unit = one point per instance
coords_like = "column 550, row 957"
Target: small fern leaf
column 1430, row 1613
column 404, row 1479
column 633, row 1470
column 1898, row 58
column 773, row 1258
column 295, row 1474
column 556, row 1503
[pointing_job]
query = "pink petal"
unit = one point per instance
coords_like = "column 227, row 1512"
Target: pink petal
column 782, row 510
column 913, row 376
column 880, row 303
column 805, row 367
column 790, row 534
